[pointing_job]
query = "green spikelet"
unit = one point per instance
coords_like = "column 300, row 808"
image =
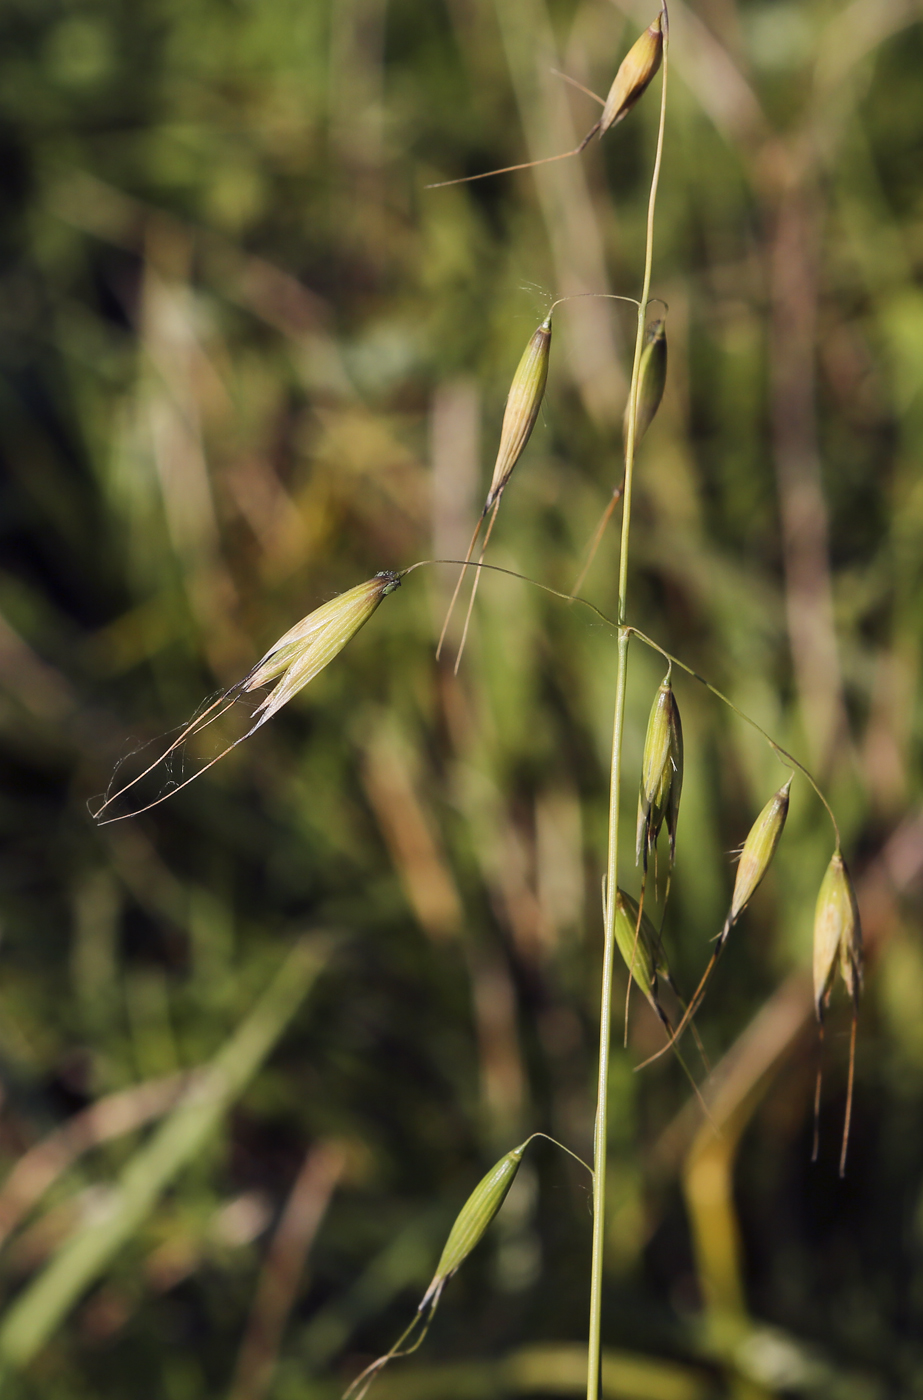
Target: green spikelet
column 661, row 774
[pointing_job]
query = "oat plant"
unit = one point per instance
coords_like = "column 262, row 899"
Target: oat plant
column 629, row 930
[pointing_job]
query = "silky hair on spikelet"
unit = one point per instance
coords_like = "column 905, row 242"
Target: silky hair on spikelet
column 291, row 662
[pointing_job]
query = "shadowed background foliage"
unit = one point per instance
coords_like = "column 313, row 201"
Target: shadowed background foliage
column 247, row 361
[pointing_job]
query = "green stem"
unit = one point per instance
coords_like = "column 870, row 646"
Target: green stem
column 605, row 1017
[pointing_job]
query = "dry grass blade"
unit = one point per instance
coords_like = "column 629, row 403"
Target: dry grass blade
column 304, row 1211
column 117, row 1114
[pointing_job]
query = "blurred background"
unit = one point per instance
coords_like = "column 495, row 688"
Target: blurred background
column 257, row 1045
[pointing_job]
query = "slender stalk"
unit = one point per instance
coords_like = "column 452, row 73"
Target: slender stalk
column 605, row 1016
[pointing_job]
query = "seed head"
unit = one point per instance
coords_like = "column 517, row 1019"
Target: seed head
column 661, row 774
column 474, row 1217
column 643, row 954
column 314, row 641
column 635, row 72
column 837, row 936
column 651, row 381
column 522, row 405
column 759, row 849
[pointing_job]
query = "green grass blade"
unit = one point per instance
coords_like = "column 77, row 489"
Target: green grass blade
column 84, row 1256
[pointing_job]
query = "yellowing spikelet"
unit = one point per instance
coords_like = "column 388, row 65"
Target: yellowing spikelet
column 313, row 642
column 636, row 70
column 837, row 936
column 522, row 406
column 837, row 941
column 292, row 661
column 756, row 856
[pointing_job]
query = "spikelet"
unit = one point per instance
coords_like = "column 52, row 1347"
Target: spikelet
column 522, row 406
column 837, row 942
column 636, row 70
column 756, row 856
column 312, row 643
column 473, row 1219
column 652, row 378
column 292, row 661
column 837, row 936
column 640, row 947
column 661, row 774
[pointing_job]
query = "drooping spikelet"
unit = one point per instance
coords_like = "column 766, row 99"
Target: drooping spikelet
column 471, row 1222
column 522, row 407
column 292, row 661
column 837, row 936
column 837, row 941
column 756, row 856
column 313, row 642
column 652, row 378
column 661, row 774
column 635, row 72
column 474, row 1218
column 640, row 947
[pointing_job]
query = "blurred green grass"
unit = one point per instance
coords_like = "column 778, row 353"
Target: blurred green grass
column 247, row 360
